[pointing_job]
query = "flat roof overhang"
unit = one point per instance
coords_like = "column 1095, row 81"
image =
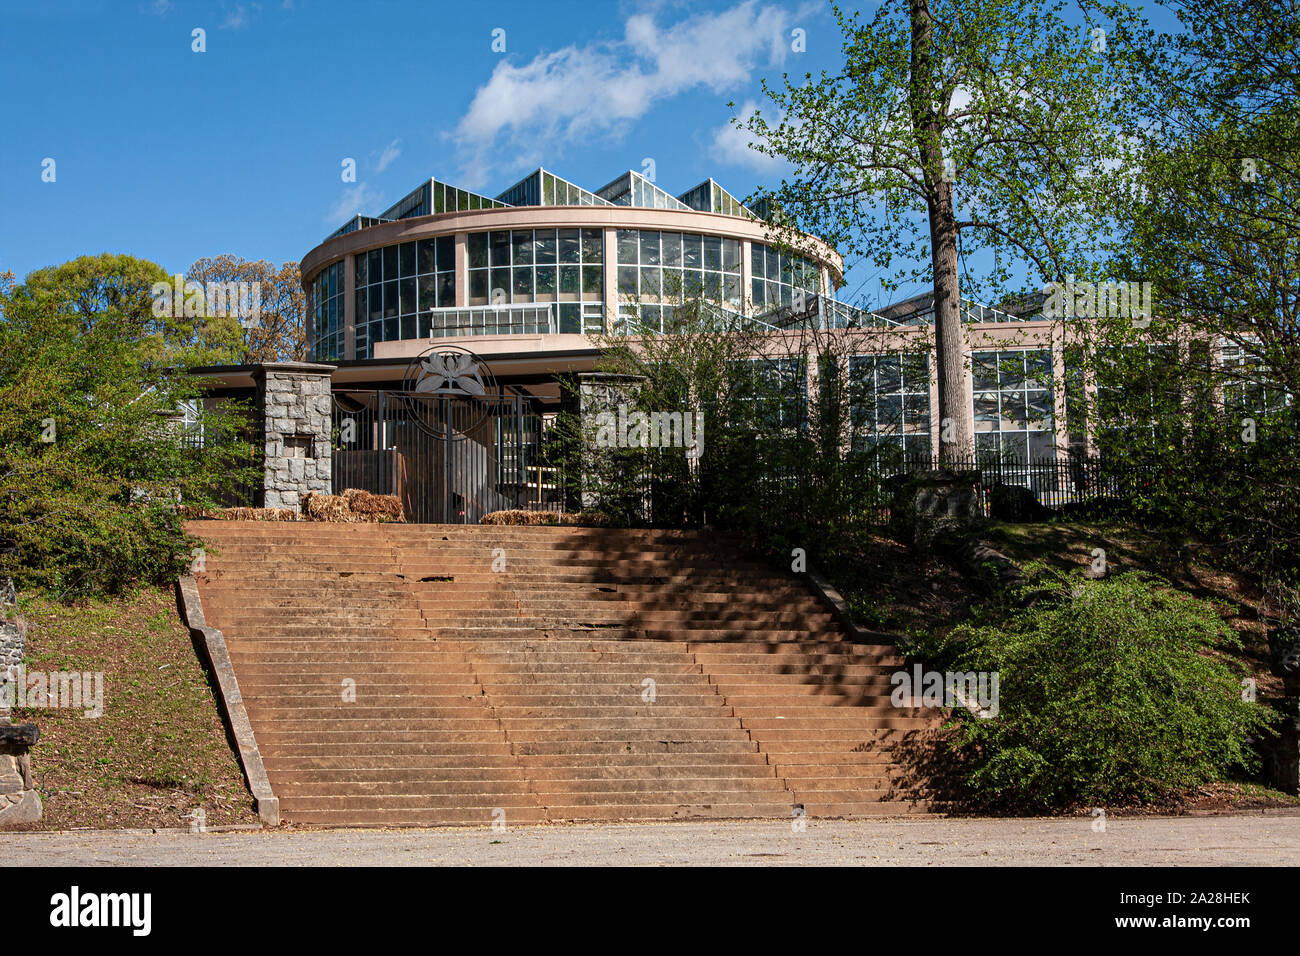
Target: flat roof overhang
column 524, row 369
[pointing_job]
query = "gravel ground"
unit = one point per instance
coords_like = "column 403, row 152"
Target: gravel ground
column 1270, row 838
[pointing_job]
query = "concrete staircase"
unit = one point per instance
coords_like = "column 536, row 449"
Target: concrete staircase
column 459, row 674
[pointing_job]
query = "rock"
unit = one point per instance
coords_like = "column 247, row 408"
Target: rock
column 19, row 808
column 1016, row 503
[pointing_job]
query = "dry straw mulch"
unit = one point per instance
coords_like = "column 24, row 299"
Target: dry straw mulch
column 582, row 519
column 352, row 507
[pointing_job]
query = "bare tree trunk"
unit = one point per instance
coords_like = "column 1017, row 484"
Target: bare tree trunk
column 956, row 419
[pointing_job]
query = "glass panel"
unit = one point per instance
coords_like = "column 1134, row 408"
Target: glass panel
column 731, row 290
column 1012, row 370
column 523, row 287
column 522, row 243
column 390, row 300
column 374, row 265
column 500, row 243
column 627, row 280
column 390, row 263
column 712, row 286
column 593, row 281
column 1038, row 369
column 1042, row 445
column 671, row 244
column 692, row 254
column 627, row 247
column 649, row 248
column 546, row 280
column 546, row 247
column 408, row 324
column 1013, row 411
column 986, row 445
column 446, row 253
column 1040, row 409
column 359, row 270
column 500, row 287
column 593, row 245
column 712, row 252
column 756, row 260
column 478, row 243
column 408, row 296
column 984, row 370
column 889, row 376
column 571, row 319
column 569, row 247
column 570, row 281
column 428, row 258
column 407, row 258
column 428, row 293
column 649, row 282
column 731, row 255
column 446, row 290
column 478, row 286
column 986, row 410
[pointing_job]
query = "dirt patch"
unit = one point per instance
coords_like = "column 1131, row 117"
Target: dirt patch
column 159, row 752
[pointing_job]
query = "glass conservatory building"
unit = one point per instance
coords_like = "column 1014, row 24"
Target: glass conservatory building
column 545, row 257
column 523, row 278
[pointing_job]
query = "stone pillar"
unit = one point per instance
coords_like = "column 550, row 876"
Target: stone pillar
column 19, row 801
column 294, row 408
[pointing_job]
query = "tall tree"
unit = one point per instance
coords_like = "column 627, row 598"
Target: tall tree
column 280, row 330
column 102, row 434
column 955, row 127
column 1213, row 221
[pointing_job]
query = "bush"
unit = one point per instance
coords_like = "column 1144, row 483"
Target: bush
column 1111, row 692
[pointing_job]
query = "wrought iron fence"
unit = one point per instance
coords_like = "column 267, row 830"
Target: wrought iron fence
column 865, row 483
column 449, row 460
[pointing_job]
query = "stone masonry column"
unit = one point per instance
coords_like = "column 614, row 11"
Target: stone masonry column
column 294, row 408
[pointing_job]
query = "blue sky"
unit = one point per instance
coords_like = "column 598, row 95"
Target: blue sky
column 170, row 154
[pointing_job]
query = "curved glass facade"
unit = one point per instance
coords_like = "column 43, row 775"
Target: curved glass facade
column 526, row 266
column 775, row 274
column 408, row 290
column 326, row 310
column 396, row 286
column 657, row 269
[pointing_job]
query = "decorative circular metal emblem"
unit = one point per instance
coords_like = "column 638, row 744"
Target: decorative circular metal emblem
column 450, row 391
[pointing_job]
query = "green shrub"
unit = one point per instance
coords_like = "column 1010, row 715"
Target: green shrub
column 1111, row 692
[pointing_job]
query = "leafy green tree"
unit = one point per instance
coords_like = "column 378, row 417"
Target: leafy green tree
column 956, row 127
column 99, row 428
column 1206, row 395
column 1109, row 692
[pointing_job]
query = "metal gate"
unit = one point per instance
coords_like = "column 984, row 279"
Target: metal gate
column 450, row 459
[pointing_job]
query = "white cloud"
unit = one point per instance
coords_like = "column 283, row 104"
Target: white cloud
column 239, row 17
column 390, row 153
column 730, row 145
column 361, row 198
column 577, row 93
